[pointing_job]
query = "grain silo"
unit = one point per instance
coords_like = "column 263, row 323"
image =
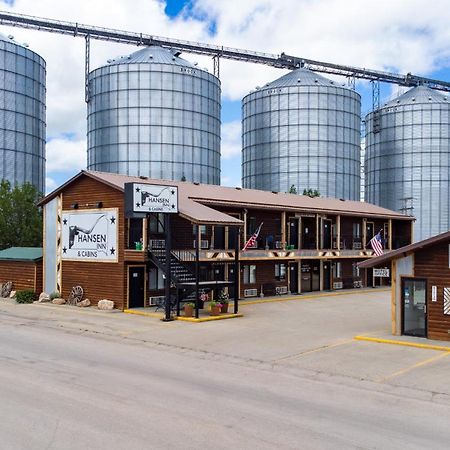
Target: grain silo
column 407, row 158
column 303, row 130
column 155, row 114
column 22, row 114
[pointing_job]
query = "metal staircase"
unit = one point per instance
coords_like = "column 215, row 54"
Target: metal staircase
column 180, row 273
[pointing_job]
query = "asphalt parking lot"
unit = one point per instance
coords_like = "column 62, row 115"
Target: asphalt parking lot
column 288, row 374
column 313, row 335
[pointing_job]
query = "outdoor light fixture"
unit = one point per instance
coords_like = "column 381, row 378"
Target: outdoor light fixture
column 99, row 205
column 74, row 206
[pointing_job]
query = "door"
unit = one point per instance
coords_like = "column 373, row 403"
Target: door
column 293, row 232
column 414, row 301
column 326, row 234
column 219, row 237
column 308, row 226
column 370, row 227
column 315, row 276
column 136, row 287
column 326, row 275
column 293, row 281
column 306, row 277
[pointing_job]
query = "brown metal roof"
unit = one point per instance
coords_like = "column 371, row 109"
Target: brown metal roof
column 194, row 197
column 405, row 251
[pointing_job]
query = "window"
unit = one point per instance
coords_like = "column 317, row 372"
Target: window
column 280, row 271
column 356, row 230
column 156, row 223
column 251, row 225
column 250, row 274
column 337, row 270
column 155, row 279
column 202, row 230
column 134, row 233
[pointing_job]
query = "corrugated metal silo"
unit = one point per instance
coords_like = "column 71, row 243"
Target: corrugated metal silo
column 157, row 115
column 22, row 114
column 407, row 158
column 304, row 130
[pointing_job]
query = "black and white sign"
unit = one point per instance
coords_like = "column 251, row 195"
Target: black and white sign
column 383, row 273
column 90, row 235
column 153, row 198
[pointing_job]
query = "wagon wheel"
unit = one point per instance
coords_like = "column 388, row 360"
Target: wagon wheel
column 76, row 294
column 6, row 289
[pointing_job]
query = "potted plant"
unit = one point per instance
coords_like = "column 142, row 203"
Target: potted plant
column 188, row 309
column 215, row 308
column 224, row 300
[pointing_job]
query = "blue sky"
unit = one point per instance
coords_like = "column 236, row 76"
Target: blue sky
column 401, row 36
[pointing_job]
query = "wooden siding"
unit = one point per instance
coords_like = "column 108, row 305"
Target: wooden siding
column 433, row 264
column 99, row 279
column 23, row 274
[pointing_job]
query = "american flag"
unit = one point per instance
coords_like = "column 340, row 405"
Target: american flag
column 252, row 241
column 377, row 244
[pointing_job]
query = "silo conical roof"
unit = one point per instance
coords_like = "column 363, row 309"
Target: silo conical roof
column 153, row 54
column 302, row 77
column 419, row 94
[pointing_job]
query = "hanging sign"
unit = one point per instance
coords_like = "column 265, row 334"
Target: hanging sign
column 141, row 199
column 89, row 235
column 383, row 273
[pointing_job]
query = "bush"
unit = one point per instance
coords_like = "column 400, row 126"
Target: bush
column 27, row 296
column 54, row 295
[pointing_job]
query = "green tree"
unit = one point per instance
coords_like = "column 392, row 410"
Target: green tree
column 311, row 193
column 20, row 218
column 292, row 189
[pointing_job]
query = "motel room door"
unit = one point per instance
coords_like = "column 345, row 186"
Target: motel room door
column 293, row 277
column 136, row 287
column 414, row 307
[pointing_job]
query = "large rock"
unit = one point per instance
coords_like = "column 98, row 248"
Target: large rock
column 105, row 305
column 84, row 303
column 58, row 301
column 44, row 297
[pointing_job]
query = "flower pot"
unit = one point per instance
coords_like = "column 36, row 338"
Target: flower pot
column 188, row 311
column 215, row 310
column 224, row 308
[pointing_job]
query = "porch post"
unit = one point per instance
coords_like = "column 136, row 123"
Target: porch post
column 167, row 302
column 364, row 230
column 338, row 225
column 390, row 234
column 237, row 270
column 283, row 230
column 197, row 268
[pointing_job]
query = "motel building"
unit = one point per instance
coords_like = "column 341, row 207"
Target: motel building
column 116, row 249
column 420, row 292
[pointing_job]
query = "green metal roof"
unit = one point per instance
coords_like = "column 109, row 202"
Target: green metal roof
column 21, row 254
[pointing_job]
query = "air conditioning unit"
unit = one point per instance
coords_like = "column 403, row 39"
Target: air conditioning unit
column 279, row 290
column 156, row 301
column 157, row 243
column 338, row 285
column 204, row 244
column 250, row 292
column 357, row 246
column 357, row 284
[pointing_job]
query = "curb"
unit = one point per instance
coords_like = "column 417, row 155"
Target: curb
column 440, row 348
column 310, row 297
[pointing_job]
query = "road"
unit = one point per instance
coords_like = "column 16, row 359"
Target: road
column 62, row 388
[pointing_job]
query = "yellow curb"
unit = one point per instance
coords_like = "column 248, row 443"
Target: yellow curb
column 185, row 319
column 209, row 318
column 306, row 297
column 143, row 313
column 440, row 348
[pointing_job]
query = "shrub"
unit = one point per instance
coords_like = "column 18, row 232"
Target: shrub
column 54, row 295
column 26, row 296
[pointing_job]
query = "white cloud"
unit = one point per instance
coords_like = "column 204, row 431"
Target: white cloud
column 402, row 35
column 231, row 139
column 66, row 156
